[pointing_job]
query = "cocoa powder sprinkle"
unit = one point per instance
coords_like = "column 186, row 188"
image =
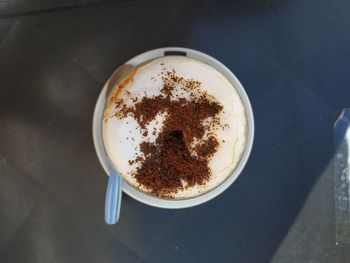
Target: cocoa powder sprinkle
column 170, row 163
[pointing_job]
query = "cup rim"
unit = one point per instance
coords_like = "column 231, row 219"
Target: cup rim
column 176, row 203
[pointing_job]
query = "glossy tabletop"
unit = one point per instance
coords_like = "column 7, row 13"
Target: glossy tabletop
column 292, row 57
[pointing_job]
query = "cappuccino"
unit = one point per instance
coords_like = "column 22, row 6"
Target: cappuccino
column 174, row 127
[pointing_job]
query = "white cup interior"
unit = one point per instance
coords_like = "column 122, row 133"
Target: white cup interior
column 163, row 203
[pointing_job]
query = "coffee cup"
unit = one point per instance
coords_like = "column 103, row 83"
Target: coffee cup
column 150, row 60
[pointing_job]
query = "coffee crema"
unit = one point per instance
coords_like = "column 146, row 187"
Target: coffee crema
column 174, row 127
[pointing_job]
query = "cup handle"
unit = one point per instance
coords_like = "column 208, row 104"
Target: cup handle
column 113, row 198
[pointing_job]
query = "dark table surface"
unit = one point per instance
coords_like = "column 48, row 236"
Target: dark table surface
column 293, row 58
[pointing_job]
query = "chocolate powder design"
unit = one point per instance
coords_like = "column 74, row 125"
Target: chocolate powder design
column 171, row 163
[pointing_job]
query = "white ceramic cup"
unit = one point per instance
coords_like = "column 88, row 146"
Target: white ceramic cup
column 164, row 203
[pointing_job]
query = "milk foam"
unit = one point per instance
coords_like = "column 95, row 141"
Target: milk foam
column 122, row 137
